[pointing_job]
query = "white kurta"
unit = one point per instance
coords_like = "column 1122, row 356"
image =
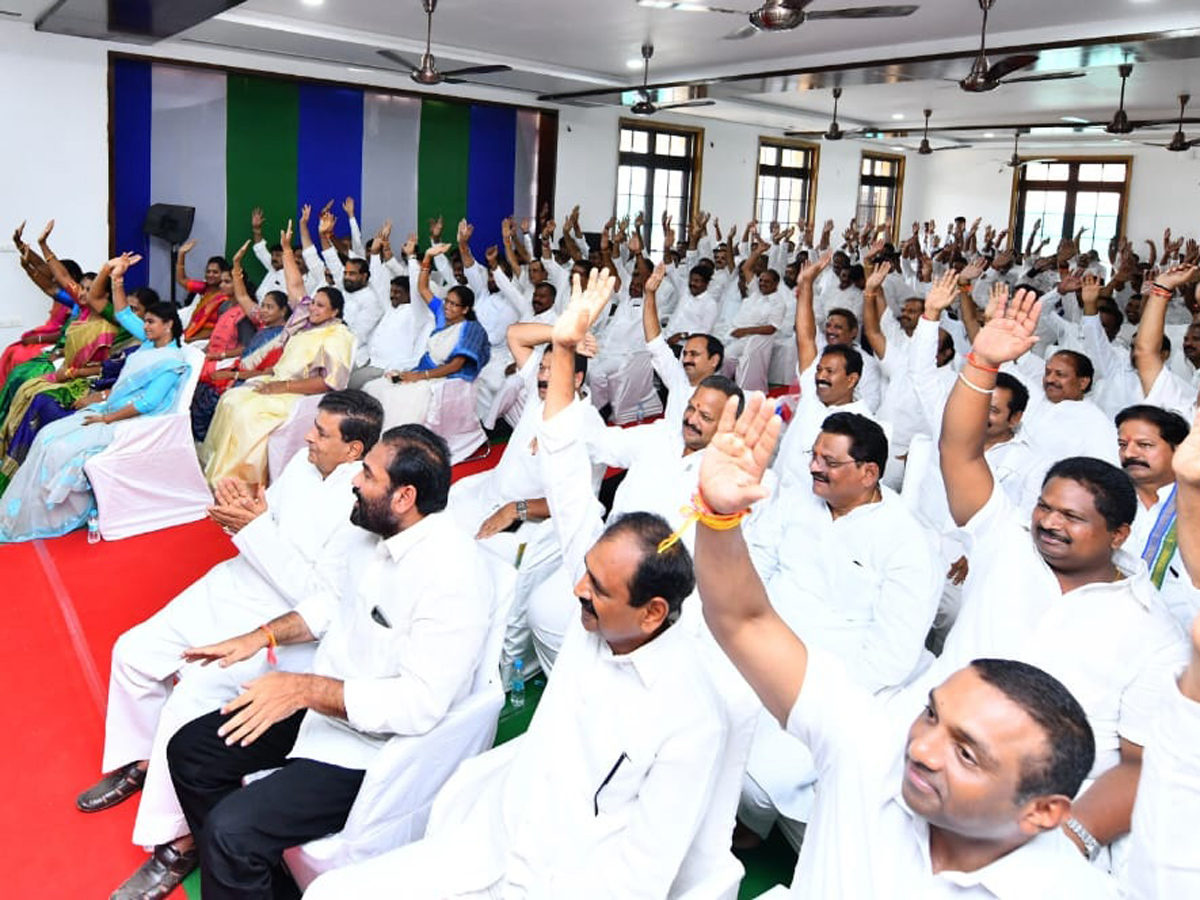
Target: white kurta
column 1179, row 595
column 293, row 549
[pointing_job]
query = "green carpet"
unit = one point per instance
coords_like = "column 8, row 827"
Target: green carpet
column 766, row 866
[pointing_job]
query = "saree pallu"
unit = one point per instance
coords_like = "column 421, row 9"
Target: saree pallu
column 262, row 352
column 236, row 442
column 208, row 310
column 50, row 494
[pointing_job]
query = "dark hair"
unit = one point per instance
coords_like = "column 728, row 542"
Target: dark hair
column 548, row 285
column 668, row 574
column 401, row 281
column 275, row 247
column 466, row 297
column 581, row 364
column 421, row 459
column 361, row 416
column 851, row 358
column 73, row 269
column 868, row 443
column 726, row 386
column 222, row 263
column 1070, row 745
column 705, row 272
column 1018, row 393
column 1112, row 489
column 1172, row 427
column 1082, row 365
column 363, row 267
column 945, row 342
column 856, row 272
column 336, row 300
column 713, row 346
column 846, row 314
column 167, row 313
column 147, row 296
column 281, row 300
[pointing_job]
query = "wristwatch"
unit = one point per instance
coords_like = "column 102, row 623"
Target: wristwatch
column 1091, row 846
column 523, row 510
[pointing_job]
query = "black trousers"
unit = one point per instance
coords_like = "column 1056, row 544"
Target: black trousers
column 241, row 832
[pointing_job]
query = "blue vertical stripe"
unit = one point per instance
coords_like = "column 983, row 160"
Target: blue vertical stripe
column 330, row 149
column 130, row 149
column 490, row 171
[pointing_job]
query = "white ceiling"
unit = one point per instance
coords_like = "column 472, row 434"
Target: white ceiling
column 560, row 46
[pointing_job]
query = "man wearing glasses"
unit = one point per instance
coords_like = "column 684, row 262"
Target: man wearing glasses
column 850, row 569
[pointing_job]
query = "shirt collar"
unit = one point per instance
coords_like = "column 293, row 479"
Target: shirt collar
column 650, row 660
column 398, row 545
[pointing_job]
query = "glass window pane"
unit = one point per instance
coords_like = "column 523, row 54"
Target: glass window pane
column 678, row 145
column 1114, row 172
column 1090, row 171
column 1085, row 204
column 662, row 143
column 766, row 155
column 1108, row 204
column 641, row 142
column 866, row 166
column 1058, row 171
column 626, row 140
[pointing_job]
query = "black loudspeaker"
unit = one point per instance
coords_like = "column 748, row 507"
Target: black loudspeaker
column 171, row 223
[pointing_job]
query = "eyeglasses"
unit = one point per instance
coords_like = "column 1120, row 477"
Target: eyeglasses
column 831, row 463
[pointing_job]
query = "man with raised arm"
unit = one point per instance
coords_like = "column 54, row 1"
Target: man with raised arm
column 1159, row 384
column 608, row 793
column 968, row 805
column 828, row 381
column 1057, row 590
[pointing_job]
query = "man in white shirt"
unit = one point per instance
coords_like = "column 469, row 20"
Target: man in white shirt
column 968, row 805
column 609, row 791
column 1160, row 385
column 1147, row 437
column 850, row 570
column 398, row 340
column 760, row 315
column 292, row 541
column 389, row 662
column 1057, row 591
column 699, row 301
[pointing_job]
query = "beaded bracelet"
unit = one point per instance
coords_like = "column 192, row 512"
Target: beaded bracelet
column 272, row 656
column 699, row 511
column 976, row 388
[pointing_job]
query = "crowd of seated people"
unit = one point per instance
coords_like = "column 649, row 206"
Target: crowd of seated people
column 983, row 511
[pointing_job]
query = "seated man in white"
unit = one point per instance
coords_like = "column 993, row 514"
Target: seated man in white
column 967, row 805
column 1160, row 385
column 828, row 383
column 850, row 570
column 1147, row 438
column 389, row 662
column 609, row 789
column 292, row 541
column 398, row 341
column 1057, row 590
column 619, row 332
column 841, row 326
column 761, row 313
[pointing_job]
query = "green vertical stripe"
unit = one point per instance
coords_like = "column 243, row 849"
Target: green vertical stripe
column 442, row 164
column 262, row 122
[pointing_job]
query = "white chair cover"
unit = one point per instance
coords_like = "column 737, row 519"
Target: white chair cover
column 782, row 369
column 397, row 794
column 149, row 478
column 754, row 364
column 452, row 415
column 633, row 395
column 286, row 440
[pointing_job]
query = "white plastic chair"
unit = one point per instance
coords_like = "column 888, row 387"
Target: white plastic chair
column 452, row 415
column 149, row 477
column 286, row 440
column 754, row 364
column 393, row 805
column 633, row 395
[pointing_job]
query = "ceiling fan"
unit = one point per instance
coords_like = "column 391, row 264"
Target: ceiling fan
column 783, row 15
column 925, row 149
column 984, row 77
column 427, row 72
column 1120, row 123
column 644, row 106
column 835, row 132
column 1015, row 161
column 1179, row 140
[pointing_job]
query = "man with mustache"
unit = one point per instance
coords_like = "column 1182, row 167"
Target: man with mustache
column 1147, row 437
column 400, row 640
column 1058, row 592
column 827, row 383
column 849, row 569
column 967, row 805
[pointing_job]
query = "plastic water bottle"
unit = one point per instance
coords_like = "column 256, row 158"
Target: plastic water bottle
column 93, row 526
column 516, row 690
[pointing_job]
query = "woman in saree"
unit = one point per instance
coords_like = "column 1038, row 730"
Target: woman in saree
column 56, row 401
column 229, row 358
column 39, row 340
column 317, row 357
column 214, row 293
column 457, row 348
column 86, row 344
column 50, row 494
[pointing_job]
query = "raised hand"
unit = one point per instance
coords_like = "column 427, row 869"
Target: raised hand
column 972, row 270
column 257, row 218
column 326, row 223
column 17, row 232
column 733, row 465
column 941, row 293
column 1009, row 330
column 584, row 308
column 436, row 250
column 285, row 237
column 410, row 244
column 810, row 271
column 878, row 274
column 187, row 247
column 588, row 347
column 305, row 213
column 241, row 252
column 1072, row 281
column 121, row 264
column 45, row 235
column 348, row 207
column 654, row 282
column 1175, row 276
column 435, row 228
column 1089, row 293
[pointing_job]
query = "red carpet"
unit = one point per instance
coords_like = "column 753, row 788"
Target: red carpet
column 67, row 602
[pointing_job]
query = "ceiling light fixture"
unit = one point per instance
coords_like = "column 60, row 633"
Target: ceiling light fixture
column 313, row 2
column 633, row 63
column 989, row 134
column 1076, row 119
column 897, row 116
